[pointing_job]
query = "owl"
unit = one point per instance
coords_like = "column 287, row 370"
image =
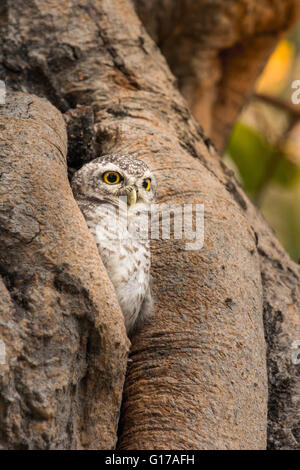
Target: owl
column 115, row 193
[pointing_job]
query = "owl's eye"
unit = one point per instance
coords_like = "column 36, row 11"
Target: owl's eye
column 147, row 184
column 111, row 177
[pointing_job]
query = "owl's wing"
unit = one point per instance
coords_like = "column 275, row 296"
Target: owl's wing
column 146, row 312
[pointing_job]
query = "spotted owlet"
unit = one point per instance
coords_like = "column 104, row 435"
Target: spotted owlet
column 114, row 193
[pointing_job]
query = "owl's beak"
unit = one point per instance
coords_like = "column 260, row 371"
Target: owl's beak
column 131, row 198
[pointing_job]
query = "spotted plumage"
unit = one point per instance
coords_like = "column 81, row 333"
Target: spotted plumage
column 114, row 193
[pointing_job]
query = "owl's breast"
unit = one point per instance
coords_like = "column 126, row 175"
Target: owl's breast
column 128, row 266
column 126, row 258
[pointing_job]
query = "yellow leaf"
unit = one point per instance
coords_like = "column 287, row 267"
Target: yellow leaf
column 276, row 73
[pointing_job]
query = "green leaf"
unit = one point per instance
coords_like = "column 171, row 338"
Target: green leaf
column 287, row 173
column 251, row 153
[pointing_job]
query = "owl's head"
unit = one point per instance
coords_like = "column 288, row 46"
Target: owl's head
column 111, row 176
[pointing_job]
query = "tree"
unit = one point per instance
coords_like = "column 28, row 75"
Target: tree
column 197, row 376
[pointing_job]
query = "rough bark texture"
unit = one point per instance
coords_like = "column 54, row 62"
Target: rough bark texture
column 217, row 49
column 281, row 300
column 197, row 379
column 59, row 318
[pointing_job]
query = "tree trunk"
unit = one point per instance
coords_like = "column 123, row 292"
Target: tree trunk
column 62, row 362
column 221, row 48
column 198, row 378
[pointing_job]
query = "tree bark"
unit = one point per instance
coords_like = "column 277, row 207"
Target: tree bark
column 198, row 376
column 217, row 49
column 60, row 323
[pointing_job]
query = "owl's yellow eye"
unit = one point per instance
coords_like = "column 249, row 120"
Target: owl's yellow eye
column 111, row 177
column 147, row 184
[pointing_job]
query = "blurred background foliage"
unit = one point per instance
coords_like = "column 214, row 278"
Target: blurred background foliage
column 264, row 147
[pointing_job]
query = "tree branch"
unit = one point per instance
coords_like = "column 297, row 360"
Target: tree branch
column 217, row 50
column 291, row 109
